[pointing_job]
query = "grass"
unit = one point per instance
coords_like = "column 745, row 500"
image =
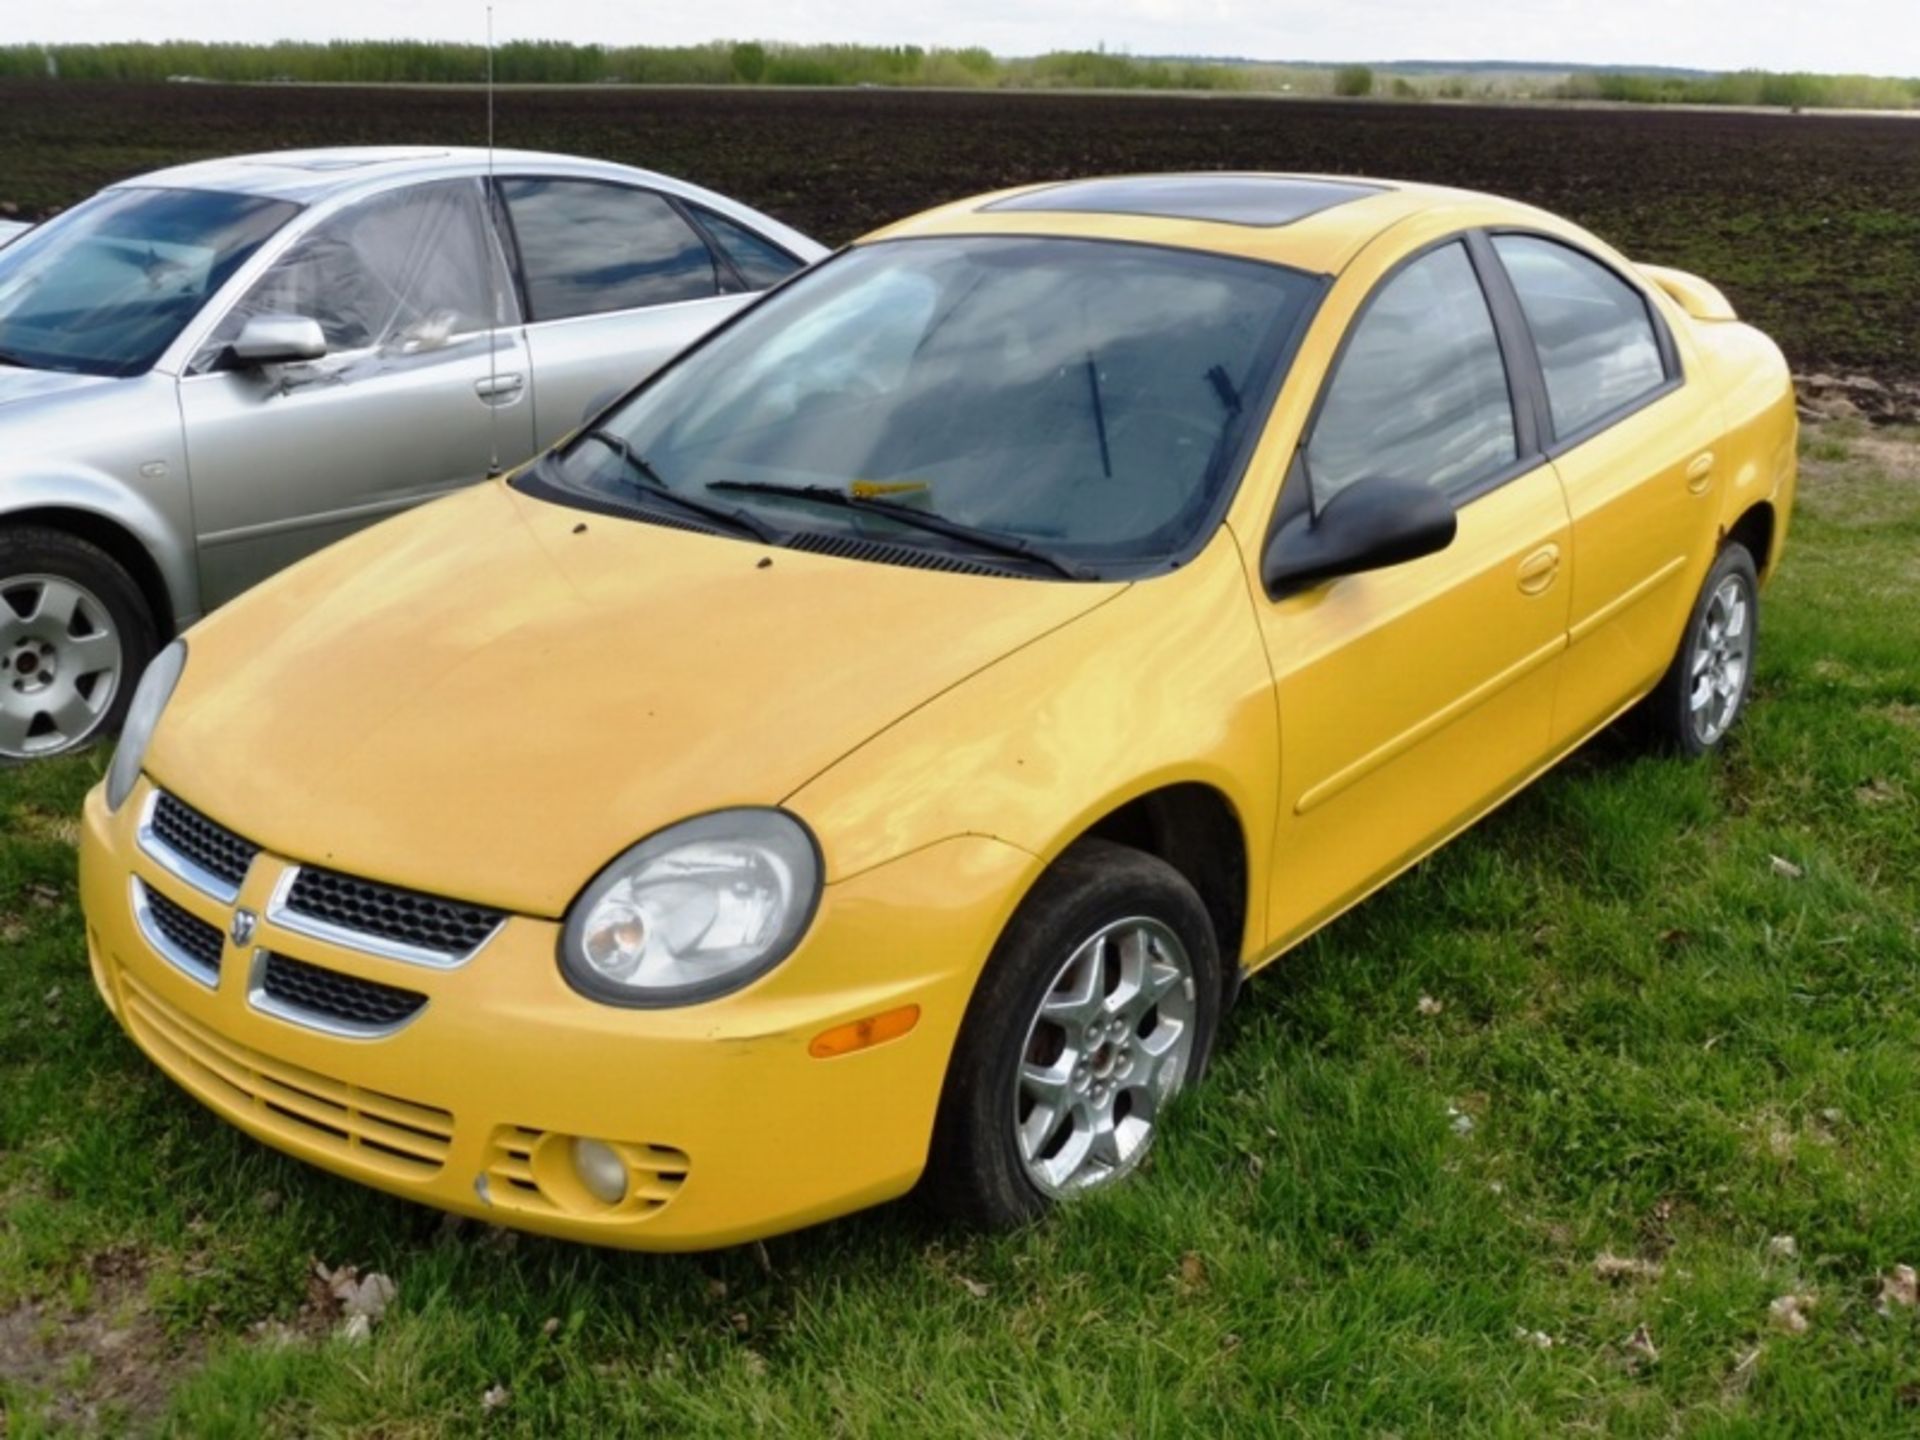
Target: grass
column 1652, row 1010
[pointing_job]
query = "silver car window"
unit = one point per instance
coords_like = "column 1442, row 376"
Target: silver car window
column 107, row 287
column 590, row 248
column 405, row 271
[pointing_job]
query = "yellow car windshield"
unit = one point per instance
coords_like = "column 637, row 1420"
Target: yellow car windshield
column 1088, row 399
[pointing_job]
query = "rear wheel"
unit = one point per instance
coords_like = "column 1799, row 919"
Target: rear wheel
column 1098, row 1007
column 74, row 636
column 1703, row 692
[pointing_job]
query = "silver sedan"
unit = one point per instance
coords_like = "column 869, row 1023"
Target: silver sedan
column 210, row 371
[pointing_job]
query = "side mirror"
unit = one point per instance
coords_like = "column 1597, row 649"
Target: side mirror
column 1367, row 526
column 279, row 340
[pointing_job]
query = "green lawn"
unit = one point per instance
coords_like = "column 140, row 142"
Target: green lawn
column 1655, row 1011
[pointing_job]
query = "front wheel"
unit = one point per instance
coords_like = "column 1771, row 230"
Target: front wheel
column 1706, row 687
column 1098, row 1007
column 74, row 637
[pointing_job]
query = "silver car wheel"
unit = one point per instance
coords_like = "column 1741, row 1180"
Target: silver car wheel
column 1722, row 654
column 1110, row 1045
column 60, row 664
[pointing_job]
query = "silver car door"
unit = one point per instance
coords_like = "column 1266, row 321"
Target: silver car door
column 617, row 281
column 425, row 385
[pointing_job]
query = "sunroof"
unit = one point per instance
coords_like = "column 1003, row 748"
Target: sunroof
column 1227, row 199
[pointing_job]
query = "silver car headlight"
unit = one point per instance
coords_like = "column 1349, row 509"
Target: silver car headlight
column 150, row 699
column 701, row 908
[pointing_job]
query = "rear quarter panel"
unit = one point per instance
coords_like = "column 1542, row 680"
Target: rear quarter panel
column 1760, row 450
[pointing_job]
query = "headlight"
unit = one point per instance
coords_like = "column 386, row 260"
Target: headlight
column 697, row 910
column 149, row 700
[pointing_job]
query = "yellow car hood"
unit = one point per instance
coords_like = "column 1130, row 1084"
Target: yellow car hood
column 491, row 697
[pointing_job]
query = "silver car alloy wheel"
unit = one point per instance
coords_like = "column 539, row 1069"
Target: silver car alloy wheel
column 1722, row 653
column 60, row 664
column 1109, row 1046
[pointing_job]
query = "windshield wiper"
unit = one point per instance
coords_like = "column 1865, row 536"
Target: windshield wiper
column 920, row 519
column 1099, row 416
column 646, row 479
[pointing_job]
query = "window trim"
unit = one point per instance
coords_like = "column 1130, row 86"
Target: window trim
column 696, row 213
column 722, row 266
column 1528, row 449
column 1554, row 444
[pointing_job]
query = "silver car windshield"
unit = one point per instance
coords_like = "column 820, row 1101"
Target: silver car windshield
column 105, row 288
column 1087, row 399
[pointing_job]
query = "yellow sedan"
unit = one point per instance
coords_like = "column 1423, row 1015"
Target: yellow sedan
column 873, row 751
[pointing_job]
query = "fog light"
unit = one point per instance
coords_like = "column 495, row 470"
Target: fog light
column 600, row 1170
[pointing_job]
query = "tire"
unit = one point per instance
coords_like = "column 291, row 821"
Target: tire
column 1717, row 646
column 1104, row 916
column 75, row 635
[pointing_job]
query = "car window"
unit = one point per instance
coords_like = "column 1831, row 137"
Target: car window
column 105, row 288
column 588, row 248
column 1593, row 331
column 1085, row 396
column 1420, row 391
column 761, row 263
column 405, row 270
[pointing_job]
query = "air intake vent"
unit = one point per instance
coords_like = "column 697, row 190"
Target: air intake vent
column 878, row 552
column 192, row 940
column 199, row 841
column 328, row 995
column 364, row 910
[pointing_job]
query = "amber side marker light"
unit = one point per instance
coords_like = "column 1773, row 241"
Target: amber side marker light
column 862, row 1034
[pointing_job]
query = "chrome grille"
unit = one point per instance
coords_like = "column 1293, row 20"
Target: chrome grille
column 299, row 991
column 212, row 847
column 185, row 939
column 411, row 925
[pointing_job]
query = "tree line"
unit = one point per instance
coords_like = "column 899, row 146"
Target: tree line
column 522, row 62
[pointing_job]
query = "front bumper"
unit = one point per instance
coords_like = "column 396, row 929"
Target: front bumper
column 731, row 1130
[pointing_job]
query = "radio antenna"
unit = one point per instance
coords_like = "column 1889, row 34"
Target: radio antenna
column 493, row 269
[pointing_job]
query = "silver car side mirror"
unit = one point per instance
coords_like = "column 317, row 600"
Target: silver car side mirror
column 279, row 340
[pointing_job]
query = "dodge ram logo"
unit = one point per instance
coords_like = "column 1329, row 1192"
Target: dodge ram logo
column 242, row 928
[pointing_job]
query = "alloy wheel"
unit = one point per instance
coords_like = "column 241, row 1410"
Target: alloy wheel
column 1110, row 1045
column 60, row 665
column 1722, row 654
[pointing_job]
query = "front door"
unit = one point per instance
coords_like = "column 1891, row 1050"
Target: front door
column 1414, row 696
column 426, row 385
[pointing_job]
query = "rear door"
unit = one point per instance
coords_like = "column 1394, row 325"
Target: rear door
column 425, row 385
column 1634, row 447
column 618, row 279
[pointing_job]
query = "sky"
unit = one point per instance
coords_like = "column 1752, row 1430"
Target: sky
column 1867, row 36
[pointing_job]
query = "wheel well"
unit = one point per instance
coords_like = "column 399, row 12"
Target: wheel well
column 121, row 544
column 1754, row 529
column 1193, row 828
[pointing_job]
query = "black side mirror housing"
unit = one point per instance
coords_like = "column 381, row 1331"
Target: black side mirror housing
column 1367, row 526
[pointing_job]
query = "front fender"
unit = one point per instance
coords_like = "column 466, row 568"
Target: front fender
column 97, row 498
column 1166, row 684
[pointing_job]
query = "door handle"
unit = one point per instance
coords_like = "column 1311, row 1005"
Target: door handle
column 1538, row 570
column 499, row 387
column 1700, row 472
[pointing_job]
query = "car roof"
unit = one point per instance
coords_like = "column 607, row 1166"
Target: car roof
column 1315, row 223
column 305, row 176
column 308, row 177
